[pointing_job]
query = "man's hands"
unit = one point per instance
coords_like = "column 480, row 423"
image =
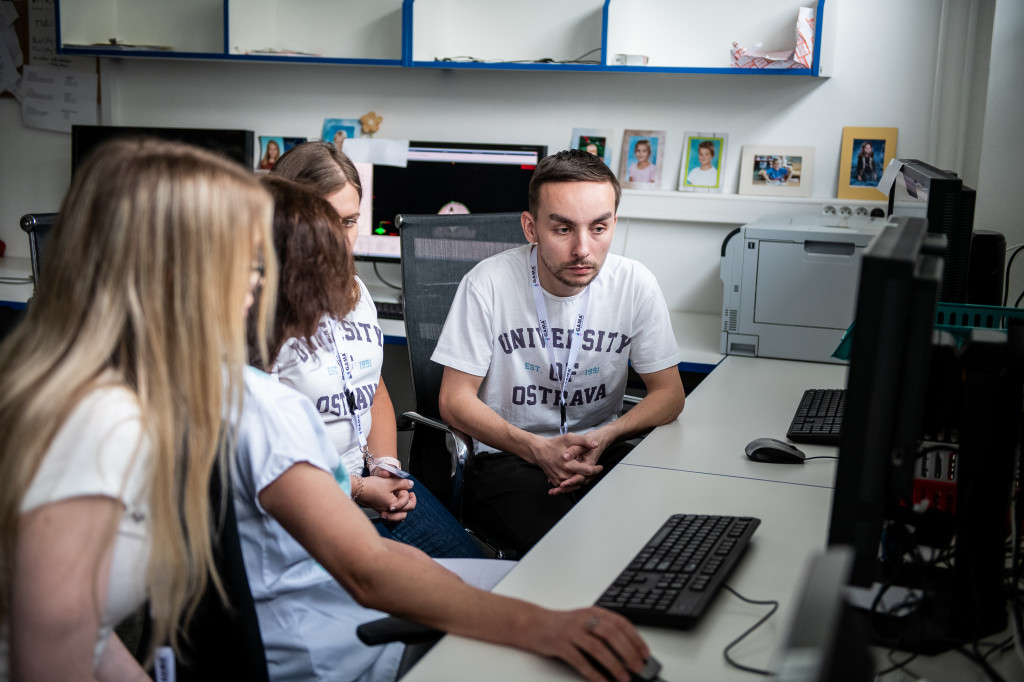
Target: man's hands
column 388, row 495
column 569, row 461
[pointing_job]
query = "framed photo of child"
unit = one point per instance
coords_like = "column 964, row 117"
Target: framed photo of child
column 865, row 154
column 337, row 130
column 641, row 161
column 777, row 170
column 597, row 141
column 701, row 169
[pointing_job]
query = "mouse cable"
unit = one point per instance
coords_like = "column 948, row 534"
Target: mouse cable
column 898, row 665
column 822, row 457
column 725, row 652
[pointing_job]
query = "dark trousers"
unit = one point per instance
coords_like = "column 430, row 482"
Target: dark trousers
column 506, row 498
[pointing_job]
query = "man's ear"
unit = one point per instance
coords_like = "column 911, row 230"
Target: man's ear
column 529, row 227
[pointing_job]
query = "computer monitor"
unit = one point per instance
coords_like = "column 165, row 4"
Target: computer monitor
column 950, row 212
column 886, row 387
column 827, row 640
column 237, row 145
column 445, row 177
column 906, row 379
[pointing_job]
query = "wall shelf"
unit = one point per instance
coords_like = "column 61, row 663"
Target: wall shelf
column 677, row 36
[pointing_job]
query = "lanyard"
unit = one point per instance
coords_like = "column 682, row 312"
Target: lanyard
column 350, row 397
column 545, row 332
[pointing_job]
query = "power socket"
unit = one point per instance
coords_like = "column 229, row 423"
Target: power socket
column 845, row 211
column 828, row 210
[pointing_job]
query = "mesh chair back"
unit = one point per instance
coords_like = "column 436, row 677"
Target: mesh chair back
column 437, row 250
column 37, row 225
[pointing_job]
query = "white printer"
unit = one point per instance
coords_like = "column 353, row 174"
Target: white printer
column 790, row 285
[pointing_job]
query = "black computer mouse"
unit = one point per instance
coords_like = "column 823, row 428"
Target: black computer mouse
column 650, row 672
column 775, row 451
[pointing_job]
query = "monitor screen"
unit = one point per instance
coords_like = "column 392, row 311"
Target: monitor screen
column 950, row 211
column 443, row 177
column 237, row 145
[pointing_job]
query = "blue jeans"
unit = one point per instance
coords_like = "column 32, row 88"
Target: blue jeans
column 431, row 528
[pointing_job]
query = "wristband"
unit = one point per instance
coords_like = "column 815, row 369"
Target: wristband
column 357, row 487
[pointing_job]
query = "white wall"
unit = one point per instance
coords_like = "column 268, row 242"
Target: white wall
column 884, row 75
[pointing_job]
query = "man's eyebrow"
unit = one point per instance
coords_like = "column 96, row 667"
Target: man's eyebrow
column 558, row 218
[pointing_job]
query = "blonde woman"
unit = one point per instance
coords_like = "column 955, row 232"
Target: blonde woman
column 111, row 401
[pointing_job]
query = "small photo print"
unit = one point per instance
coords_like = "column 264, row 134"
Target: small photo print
column 642, row 159
column 777, row 170
column 337, row 130
column 701, row 169
column 272, row 147
column 868, row 162
column 597, row 141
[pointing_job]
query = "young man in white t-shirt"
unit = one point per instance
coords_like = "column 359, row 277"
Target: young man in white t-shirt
column 520, row 318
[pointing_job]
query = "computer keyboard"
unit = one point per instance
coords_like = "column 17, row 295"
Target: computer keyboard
column 819, row 417
column 673, row 579
column 389, row 310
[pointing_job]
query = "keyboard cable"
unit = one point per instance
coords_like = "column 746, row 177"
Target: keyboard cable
column 725, row 652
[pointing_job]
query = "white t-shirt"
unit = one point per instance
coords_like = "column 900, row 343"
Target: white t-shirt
column 698, row 177
column 317, row 374
column 100, row 450
column 492, row 331
column 307, row 620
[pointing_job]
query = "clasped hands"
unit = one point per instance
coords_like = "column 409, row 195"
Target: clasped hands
column 570, row 461
column 388, row 495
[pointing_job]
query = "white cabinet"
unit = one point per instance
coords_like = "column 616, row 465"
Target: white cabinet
column 676, row 36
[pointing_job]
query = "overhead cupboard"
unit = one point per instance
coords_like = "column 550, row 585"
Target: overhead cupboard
column 667, row 36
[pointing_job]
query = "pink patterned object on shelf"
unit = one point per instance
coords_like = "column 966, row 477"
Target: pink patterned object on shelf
column 802, row 57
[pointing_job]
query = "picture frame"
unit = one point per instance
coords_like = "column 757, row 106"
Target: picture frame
column 598, row 141
column 272, row 147
column 336, row 130
column 644, row 172
column 865, row 154
column 702, row 168
column 777, row 170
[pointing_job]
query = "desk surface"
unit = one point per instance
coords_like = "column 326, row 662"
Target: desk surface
column 576, row 561
column 743, row 399
column 15, row 281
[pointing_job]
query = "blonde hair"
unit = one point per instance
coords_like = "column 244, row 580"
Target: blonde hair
column 147, row 271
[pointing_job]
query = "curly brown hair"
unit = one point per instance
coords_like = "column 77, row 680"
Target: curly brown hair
column 316, row 269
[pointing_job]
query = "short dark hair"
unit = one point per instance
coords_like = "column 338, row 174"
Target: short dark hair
column 570, row 165
column 707, row 144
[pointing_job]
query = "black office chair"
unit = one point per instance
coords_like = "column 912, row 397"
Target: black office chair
column 437, row 250
column 38, row 226
column 223, row 642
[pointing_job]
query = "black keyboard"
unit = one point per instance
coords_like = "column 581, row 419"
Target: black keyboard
column 389, row 310
column 819, row 417
column 673, row 579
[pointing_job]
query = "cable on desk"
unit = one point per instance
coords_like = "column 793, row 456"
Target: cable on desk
column 725, row 652
column 898, row 665
column 822, row 457
column 377, row 272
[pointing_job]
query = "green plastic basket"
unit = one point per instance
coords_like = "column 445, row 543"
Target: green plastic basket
column 956, row 318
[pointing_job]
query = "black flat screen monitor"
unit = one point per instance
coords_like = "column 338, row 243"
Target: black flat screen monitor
column 445, row 177
column 950, row 212
column 887, row 386
column 237, row 145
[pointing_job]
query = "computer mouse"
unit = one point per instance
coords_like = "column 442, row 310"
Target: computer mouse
column 774, row 451
column 650, row 672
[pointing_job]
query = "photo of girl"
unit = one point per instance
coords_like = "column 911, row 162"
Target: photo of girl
column 272, row 147
column 640, row 167
column 597, row 141
column 870, row 155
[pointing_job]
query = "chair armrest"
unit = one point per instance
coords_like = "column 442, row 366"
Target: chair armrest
column 394, row 629
column 458, row 444
column 631, row 399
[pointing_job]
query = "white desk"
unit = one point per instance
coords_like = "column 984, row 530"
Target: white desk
column 581, row 556
column 15, row 281
column 743, row 399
